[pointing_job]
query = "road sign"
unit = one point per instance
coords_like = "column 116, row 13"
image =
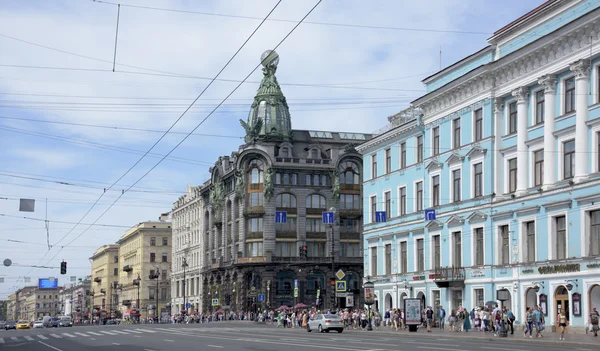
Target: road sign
column 280, row 217
column 188, row 305
column 328, row 217
column 261, row 297
column 296, row 292
column 340, row 286
column 215, row 302
column 430, row 214
column 380, row 216
column 295, row 283
column 340, row 274
column 318, row 293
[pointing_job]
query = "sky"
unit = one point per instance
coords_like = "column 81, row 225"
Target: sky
column 75, row 116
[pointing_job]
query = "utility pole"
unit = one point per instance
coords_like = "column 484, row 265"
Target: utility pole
column 184, row 265
column 156, row 309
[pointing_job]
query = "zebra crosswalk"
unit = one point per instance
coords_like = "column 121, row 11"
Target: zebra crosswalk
column 75, row 335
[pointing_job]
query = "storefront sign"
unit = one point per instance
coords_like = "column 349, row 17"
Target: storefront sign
column 561, row 268
column 418, row 277
column 412, row 311
column 576, row 304
column 527, row 271
column 477, row 274
column 593, row 265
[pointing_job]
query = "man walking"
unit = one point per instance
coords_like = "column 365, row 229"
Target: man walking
column 594, row 319
column 537, row 318
column 511, row 320
column 429, row 315
column 442, row 315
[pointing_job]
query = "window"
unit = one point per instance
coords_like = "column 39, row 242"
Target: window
column 388, row 161
column 152, row 241
column 530, row 230
column 373, row 208
column 374, row 166
column 402, row 201
column 116, row 259
column 314, row 154
column 570, row 95
column 538, row 159
column 457, row 237
column 504, row 245
column 594, row 233
column 350, row 202
column 315, row 201
column 436, row 141
column 419, row 149
column 478, row 124
column 404, row 257
column 456, row 185
column 115, row 272
column 349, row 250
column 284, row 152
column 478, row 180
column 349, row 226
column 254, row 249
column 165, row 241
column 435, row 181
column 388, row 205
column 151, row 294
column 285, row 249
column 437, row 254
column 285, row 201
column 163, row 275
column 152, row 257
column 289, row 226
column 163, row 294
column 152, row 273
column 479, row 248
column 420, row 255
column 403, row 155
column 512, row 118
column 316, row 179
column 315, row 225
column 374, row 261
column 479, row 299
column 164, row 257
column 255, row 171
column 512, row 175
column 349, row 173
column 456, row 133
column 254, row 225
column 255, row 199
column 539, row 107
column 569, row 159
column 419, row 195
column 561, row 237
column 286, row 178
column 388, row 259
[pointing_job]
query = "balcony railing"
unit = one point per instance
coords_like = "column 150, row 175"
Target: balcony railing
column 449, row 276
column 127, row 268
column 98, row 280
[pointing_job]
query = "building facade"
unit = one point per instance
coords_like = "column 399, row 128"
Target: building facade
column 505, row 150
column 74, row 300
column 105, row 278
column 144, row 252
column 252, row 237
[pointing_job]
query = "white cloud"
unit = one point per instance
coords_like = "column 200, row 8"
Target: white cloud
column 49, row 159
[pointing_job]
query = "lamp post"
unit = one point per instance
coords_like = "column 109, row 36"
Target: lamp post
column 369, row 299
column 332, row 243
column 157, row 275
column 184, row 265
column 136, row 282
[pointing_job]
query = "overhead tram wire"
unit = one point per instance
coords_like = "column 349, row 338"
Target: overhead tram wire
column 161, row 138
column 62, row 222
column 198, row 125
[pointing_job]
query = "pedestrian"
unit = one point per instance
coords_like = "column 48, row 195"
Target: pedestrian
column 452, row 320
column 442, row 315
column 467, row 322
column 511, row 321
column 429, row 316
column 538, row 319
column 387, row 317
column 562, row 322
column 529, row 325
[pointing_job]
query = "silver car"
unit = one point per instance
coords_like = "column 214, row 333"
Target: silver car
column 325, row 323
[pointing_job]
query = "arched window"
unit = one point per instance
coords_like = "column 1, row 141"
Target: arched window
column 285, row 201
column 314, row 153
column 316, row 201
column 349, row 173
column 255, row 171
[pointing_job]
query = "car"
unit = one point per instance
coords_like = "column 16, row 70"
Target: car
column 53, row 323
column 325, row 323
column 65, row 322
column 38, row 324
column 22, row 325
column 2, row 324
column 10, row 325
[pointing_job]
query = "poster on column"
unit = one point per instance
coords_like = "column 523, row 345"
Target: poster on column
column 412, row 311
column 350, row 301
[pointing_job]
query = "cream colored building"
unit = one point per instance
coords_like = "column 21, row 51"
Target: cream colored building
column 105, row 276
column 30, row 303
column 11, row 307
column 143, row 250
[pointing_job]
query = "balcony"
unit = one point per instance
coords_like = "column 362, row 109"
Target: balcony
column 126, row 302
column 449, row 277
column 127, row 268
column 254, row 211
column 351, row 213
column 98, row 280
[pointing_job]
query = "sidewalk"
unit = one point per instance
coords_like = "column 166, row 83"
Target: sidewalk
column 549, row 337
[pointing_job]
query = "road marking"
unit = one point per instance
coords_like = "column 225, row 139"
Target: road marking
column 94, row 333
column 148, row 350
column 433, row 348
column 92, row 338
column 50, row 346
column 135, row 331
column 14, row 338
column 120, row 332
column 107, row 332
column 69, row 335
column 29, row 338
column 147, row 330
column 169, row 340
column 137, row 336
column 56, row 336
column 115, row 343
column 499, row 348
column 217, row 346
column 1, row 340
column 82, row 334
column 42, row 337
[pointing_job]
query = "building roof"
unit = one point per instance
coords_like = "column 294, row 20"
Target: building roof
column 149, row 225
column 525, row 17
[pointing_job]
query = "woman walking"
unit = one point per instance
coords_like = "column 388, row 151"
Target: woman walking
column 529, row 325
column 562, row 322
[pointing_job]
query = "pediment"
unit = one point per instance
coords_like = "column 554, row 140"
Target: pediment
column 433, row 165
column 454, row 221
column 455, row 158
column 476, row 151
column 477, row 217
column 527, row 210
column 435, row 224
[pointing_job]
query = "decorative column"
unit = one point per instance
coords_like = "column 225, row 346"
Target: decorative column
column 498, row 132
column 582, row 91
column 549, row 84
column 522, row 95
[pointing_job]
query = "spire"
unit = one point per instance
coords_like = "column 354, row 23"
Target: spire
column 269, row 117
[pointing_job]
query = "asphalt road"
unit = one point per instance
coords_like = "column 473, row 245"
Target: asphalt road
column 248, row 336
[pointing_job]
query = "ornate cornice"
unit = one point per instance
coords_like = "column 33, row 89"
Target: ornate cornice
column 581, row 68
column 498, row 105
column 521, row 93
column 548, row 82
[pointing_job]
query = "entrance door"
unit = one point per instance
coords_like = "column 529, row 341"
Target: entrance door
column 561, row 301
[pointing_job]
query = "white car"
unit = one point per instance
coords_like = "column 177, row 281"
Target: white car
column 38, row 324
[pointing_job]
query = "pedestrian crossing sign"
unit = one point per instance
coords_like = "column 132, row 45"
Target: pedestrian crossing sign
column 215, row 302
column 340, row 286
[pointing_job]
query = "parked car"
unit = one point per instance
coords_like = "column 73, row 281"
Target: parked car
column 10, row 325
column 22, row 325
column 2, row 324
column 38, row 324
column 325, row 323
column 53, row 323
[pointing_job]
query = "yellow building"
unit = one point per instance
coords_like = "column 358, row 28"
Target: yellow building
column 145, row 250
column 11, row 307
column 105, row 276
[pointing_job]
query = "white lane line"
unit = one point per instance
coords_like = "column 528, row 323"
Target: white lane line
column 92, row 338
column 148, row 350
column 28, row 338
column 69, row 335
column 42, row 337
column 14, row 338
column 50, row 346
column 217, row 346
column 120, row 332
column 82, row 334
column 169, row 340
column 94, row 333
column 432, row 348
column 137, row 336
column 116, row 343
column 56, row 336
column 1, row 340
column 135, row 331
column 107, row 332
column 147, row 331
column 499, row 348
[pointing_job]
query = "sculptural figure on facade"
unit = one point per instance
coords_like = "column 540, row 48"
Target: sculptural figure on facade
column 268, row 181
column 217, row 196
column 335, row 181
column 239, row 184
column 252, row 131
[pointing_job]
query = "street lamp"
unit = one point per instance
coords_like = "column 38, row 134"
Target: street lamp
column 369, row 299
column 333, row 300
column 136, row 282
column 156, row 308
column 184, row 265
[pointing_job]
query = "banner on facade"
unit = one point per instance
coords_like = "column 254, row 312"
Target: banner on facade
column 412, row 311
column 349, row 301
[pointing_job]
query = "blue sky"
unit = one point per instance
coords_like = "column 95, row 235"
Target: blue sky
column 376, row 72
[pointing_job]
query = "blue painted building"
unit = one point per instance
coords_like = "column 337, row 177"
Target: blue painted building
column 505, row 147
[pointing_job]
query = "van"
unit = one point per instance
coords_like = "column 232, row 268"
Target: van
column 47, row 321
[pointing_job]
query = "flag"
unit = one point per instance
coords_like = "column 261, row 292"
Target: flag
column 27, row 205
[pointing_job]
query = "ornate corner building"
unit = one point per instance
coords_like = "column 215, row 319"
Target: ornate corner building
column 252, row 237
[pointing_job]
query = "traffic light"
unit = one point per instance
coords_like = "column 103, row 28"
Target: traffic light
column 63, row 267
